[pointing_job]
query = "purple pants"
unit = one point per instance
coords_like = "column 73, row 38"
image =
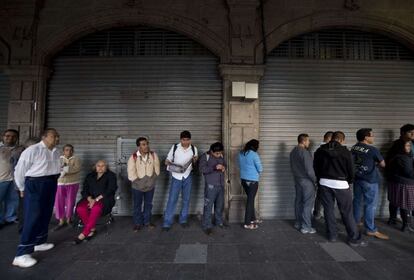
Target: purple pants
column 65, row 200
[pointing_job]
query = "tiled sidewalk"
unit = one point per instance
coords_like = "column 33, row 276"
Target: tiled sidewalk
column 274, row 251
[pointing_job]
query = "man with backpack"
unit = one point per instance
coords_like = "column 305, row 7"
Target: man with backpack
column 143, row 170
column 180, row 160
column 213, row 166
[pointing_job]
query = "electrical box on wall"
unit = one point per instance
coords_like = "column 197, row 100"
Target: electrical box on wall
column 246, row 90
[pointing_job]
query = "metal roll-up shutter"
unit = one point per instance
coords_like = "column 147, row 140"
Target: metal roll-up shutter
column 135, row 82
column 4, row 101
column 329, row 80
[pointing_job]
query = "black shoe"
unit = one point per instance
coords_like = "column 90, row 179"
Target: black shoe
column 90, row 236
column 1, row 226
column 150, row 226
column 357, row 243
column 403, row 227
column 165, row 229
column 184, row 225
column 137, row 228
column 77, row 241
column 392, row 221
column 9, row 223
column 208, row 231
column 59, row 227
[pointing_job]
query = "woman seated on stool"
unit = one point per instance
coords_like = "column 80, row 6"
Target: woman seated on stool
column 98, row 198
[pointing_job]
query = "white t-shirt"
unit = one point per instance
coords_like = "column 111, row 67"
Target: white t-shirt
column 181, row 157
column 334, row 184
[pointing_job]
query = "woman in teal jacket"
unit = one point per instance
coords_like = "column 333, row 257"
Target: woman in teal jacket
column 250, row 169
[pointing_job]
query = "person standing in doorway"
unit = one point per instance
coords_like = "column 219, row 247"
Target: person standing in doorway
column 143, row 170
column 366, row 158
column 301, row 164
column 180, row 162
column 36, row 177
column 250, row 170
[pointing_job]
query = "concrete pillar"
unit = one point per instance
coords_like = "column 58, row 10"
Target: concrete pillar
column 27, row 99
column 240, row 124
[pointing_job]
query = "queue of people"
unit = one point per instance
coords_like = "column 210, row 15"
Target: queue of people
column 44, row 180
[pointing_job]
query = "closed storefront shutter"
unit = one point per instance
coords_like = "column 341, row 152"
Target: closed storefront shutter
column 331, row 80
column 141, row 82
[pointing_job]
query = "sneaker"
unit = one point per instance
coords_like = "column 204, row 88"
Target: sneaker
column 297, row 226
column 43, row 247
column 223, row 226
column 24, row 261
column 378, row 235
column 357, row 243
column 308, row 230
column 332, row 239
column 165, row 229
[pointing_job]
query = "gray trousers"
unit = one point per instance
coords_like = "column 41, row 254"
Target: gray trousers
column 305, row 197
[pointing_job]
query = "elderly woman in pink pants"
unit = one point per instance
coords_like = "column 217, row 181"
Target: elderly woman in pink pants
column 68, row 186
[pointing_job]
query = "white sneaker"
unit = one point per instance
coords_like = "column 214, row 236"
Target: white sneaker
column 24, row 261
column 308, row 230
column 43, row 247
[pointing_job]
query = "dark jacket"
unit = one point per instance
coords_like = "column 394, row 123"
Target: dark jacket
column 402, row 169
column 105, row 186
column 301, row 164
column 208, row 168
column 395, row 150
column 334, row 161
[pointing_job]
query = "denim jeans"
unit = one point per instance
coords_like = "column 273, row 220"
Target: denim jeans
column 250, row 187
column 10, row 199
column 305, row 195
column 142, row 217
column 177, row 186
column 369, row 193
column 213, row 196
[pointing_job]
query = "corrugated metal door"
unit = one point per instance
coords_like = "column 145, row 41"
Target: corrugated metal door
column 144, row 91
column 316, row 95
column 4, row 101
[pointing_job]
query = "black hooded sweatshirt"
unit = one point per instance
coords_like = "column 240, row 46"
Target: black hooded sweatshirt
column 334, row 161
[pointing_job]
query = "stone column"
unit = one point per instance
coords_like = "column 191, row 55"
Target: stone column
column 27, row 99
column 240, row 124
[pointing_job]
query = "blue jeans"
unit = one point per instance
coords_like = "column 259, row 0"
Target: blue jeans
column 10, row 199
column 177, row 186
column 142, row 217
column 369, row 192
column 305, row 197
column 213, row 195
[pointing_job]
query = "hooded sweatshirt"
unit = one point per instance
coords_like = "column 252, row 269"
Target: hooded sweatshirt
column 334, row 161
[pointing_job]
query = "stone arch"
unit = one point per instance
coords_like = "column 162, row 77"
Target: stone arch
column 317, row 21
column 56, row 41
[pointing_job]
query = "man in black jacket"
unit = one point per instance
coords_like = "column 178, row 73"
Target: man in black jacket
column 334, row 167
